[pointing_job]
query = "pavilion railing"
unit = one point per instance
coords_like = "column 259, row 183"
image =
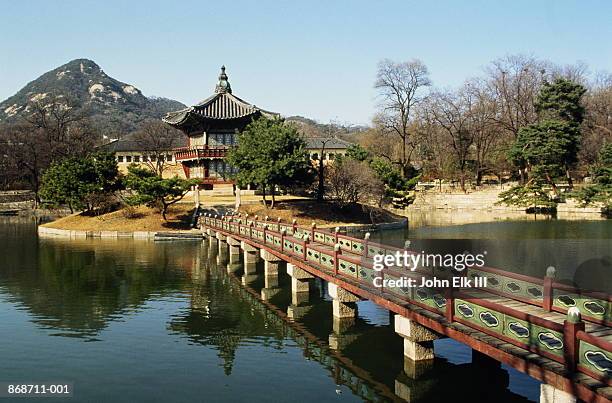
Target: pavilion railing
column 200, row 152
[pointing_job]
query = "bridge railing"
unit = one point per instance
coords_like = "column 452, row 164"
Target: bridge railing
column 351, row 258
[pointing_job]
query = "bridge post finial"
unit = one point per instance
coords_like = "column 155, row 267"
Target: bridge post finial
column 407, row 245
column 336, row 253
column 366, row 241
column 574, row 315
column 266, row 218
column 571, row 327
column 548, row 288
column 278, row 220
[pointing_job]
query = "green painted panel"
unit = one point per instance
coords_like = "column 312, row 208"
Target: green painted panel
column 405, row 292
column 479, row 315
column 595, row 359
column 327, row 260
column 312, row 255
column 430, row 297
column 298, row 248
column 517, row 329
column 547, row 340
column 375, row 250
column 522, row 289
column 357, row 247
column 592, row 307
column 367, row 274
column 319, row 236
column 347, row 267
column 330, row 239
column 277, row 240
column 345, row 244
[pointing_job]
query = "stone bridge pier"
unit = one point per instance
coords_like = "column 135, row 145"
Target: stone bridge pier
column 222, row 249
column 344, row 311
column 234, row 249
column 250, row 257
column 418, row 342
column 300, row 292
column 344, row 303
column 213, row 247
column 271, row 265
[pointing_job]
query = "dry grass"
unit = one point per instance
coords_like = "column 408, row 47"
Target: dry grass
column 324, row 214
column 143, row 219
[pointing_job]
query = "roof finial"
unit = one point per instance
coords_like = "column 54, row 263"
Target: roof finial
column 223, row 85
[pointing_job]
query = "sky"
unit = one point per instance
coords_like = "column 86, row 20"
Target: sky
column 312, row 58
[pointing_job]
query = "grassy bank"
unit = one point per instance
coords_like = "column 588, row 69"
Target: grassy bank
column 139, row 219
column 324, row 214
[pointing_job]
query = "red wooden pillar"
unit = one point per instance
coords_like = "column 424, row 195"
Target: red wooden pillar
column 571, row 326
column 305, row 246
column 283, row 232
column 450, row 304
column 313, row 226
column 548, row 288
column 336, row 254
column 294, row 225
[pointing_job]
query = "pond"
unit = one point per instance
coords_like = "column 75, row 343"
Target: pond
column 127, row 320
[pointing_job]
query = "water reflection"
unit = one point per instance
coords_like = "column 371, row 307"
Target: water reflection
column 158, row 309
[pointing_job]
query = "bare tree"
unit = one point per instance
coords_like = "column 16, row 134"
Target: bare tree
column 51, row 131
column 156, row 139
column 481, row 109
column 452, row 113
column 597, row 125
column 400, row 88
column 352, row 182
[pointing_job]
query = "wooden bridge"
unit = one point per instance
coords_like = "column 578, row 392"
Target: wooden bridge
column 558, row 334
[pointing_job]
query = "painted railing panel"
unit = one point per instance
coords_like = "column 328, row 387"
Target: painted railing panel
column 595, row 361
column 595, row 308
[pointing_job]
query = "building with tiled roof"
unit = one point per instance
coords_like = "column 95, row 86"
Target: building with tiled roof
column 210, row 129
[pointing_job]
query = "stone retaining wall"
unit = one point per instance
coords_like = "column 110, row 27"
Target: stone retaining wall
column 483, row 200
column 56, row 232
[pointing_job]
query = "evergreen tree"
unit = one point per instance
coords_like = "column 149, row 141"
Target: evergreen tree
column 601, row 188
column 81, row 182
column 152, row 190
column 271, row 154
column 549, row 148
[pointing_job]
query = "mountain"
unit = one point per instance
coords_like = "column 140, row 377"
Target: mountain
column 115, row 107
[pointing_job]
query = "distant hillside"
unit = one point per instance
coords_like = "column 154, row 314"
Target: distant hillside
column 114, row 106
column 312, row 128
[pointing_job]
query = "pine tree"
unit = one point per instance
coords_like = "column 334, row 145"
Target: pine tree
column 271, row 154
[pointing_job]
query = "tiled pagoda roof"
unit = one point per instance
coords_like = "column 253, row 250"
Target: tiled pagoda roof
column 221, row 105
